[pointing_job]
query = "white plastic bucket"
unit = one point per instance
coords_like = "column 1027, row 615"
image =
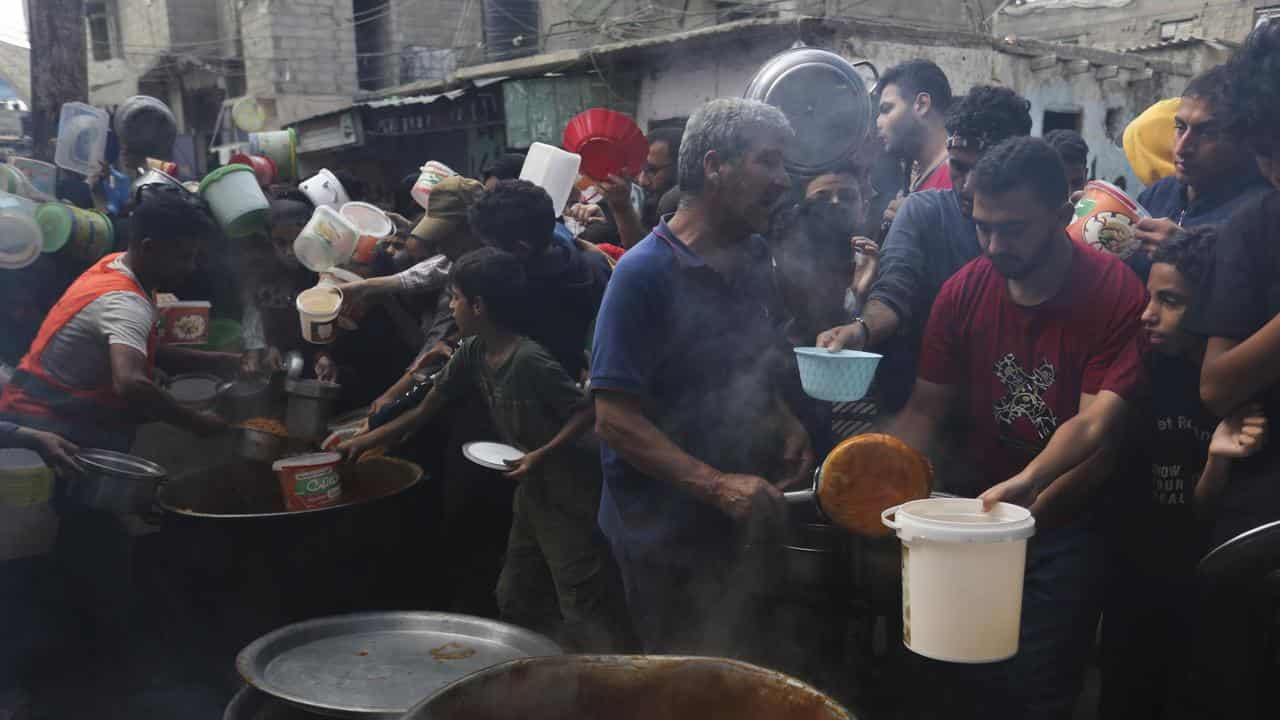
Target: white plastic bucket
column 236, row 200
column 431, row 175
column 324, row 190
column 962, row 572
column 318, row 309
column 552, row 169
column 328, row 239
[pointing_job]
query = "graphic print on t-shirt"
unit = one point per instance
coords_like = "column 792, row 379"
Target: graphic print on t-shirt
column 1024, row 395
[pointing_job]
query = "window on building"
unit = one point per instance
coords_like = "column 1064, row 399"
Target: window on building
column 1060, row 120
column 1264, row 14
column 99, row 30
column 1177, row 29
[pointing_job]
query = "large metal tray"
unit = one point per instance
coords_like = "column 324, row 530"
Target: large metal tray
column 378, row 665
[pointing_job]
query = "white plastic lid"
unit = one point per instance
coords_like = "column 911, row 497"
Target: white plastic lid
column 314, row 459
column 959, row 520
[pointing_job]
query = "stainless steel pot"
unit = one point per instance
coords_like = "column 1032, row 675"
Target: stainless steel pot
column 115, row 482
column 310, row 407
column 245, row 398
column 826, row 100
column 259, row 446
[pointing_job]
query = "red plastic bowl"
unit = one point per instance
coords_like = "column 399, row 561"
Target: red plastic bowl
column 609, row 142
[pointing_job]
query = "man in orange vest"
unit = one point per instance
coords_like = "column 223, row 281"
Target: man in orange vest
column 89, row 373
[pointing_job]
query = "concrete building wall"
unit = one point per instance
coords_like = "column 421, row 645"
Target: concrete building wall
column 577, row 23
column 1106, row 98
column 299, row 54
column 429, row 37
column 1128, row 23
column 15, row 69
column 141, row 33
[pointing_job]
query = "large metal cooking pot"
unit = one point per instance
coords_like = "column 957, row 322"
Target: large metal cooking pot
column 251, row 704
column 115, row 482
column 310, row 407
column 826, row 100
column 245, row 398
column 249, row 491
column 628, row 687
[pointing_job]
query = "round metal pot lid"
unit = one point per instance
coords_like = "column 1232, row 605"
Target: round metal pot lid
column 119, row 464
column 312, row 388
column 245, row 387
column 195, row 388
column 826, row 100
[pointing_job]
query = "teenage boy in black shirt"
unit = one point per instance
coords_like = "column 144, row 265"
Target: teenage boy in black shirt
column 1179, row 466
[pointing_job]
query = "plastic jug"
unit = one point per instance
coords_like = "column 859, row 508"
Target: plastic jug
column 82, row 138
column 552, row 169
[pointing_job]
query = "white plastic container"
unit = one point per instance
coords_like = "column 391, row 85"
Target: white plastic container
column 962, row 573
column 318, row 309
column 327, row 240
column 236, row 200
column 20, row 237
column 42, row 175
column 279, row 145
column 431, row 175
column 324, row 190
column 82, row 138
column 552, row 169
column 367, row 219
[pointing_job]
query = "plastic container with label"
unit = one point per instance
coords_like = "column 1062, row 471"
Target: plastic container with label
column 236, row 200
column 327, row 240
column 184, row 322
column 318, row 309
column 552, row 169
column 85, row 235
column 431, row 175
column 311, row 481
column 82, row 138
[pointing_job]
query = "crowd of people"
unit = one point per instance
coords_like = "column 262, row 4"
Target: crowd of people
column 644, row 366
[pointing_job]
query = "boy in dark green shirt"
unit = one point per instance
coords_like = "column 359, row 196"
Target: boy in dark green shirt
column 558, row 566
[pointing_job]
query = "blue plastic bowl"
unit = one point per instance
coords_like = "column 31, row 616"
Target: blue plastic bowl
column 842, row 376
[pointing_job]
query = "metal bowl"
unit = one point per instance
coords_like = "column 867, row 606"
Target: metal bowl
column 825, row 99
column 115, row 482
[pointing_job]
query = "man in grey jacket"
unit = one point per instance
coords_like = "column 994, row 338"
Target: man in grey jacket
column 932, row 237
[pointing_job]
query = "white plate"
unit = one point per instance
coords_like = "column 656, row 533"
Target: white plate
column 490, row 454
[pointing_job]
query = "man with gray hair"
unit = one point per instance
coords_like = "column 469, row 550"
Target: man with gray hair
column 689, row 373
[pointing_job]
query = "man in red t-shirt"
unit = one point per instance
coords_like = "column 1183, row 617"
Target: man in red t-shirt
column 1036, row 343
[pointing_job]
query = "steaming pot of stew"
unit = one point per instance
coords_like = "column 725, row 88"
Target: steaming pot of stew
column 628, row 687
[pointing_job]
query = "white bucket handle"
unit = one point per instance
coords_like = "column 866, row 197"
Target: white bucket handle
column 884, row 517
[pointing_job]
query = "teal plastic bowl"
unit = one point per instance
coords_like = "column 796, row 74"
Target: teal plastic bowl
column 842, row 376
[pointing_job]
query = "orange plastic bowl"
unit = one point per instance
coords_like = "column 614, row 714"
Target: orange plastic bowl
column 609, row 142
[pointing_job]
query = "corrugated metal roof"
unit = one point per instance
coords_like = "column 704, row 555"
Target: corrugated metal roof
column 1177, row 43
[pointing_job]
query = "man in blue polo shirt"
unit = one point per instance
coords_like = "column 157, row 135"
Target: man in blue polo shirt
column 690, row 373
column 1214, row 171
